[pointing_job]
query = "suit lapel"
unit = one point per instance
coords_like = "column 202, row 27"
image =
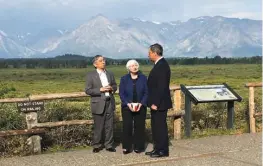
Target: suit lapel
column 108, row 77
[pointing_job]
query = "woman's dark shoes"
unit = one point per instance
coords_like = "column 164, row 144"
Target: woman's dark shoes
column 96, row 150
column 111, row 149
column 138, row 150
column 126, row 151
column 150, row 153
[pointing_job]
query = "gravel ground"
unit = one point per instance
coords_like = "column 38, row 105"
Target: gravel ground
column 240, row 150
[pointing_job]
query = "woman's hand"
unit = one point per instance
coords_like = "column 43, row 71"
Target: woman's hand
column 139, row 107
column 130, row 106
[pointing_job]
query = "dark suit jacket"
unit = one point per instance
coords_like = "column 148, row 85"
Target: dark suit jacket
column 158, row 86
column 93, row 85
column 126, row 89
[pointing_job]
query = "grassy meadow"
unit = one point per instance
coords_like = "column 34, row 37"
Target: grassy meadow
column 40, row 81
column 208, row 119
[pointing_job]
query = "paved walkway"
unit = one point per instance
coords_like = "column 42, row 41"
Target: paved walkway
column 235, row 150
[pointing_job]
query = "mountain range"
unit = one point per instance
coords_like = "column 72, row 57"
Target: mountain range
column 130, row 38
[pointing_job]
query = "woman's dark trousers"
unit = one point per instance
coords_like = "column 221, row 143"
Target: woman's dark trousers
column 133, row 129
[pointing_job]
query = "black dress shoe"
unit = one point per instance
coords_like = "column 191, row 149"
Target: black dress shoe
column 111, row 149
column 126, row 151
column 160, row 154
column 138, row 150
column 150, row 153
column 96, row 150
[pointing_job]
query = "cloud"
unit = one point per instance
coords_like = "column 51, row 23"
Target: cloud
column 250, row 15
column 72, row 13
column 147, row 9
column 54, row 3
column 250, row 9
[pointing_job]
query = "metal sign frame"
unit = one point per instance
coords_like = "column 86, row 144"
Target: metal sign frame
column 188, row 110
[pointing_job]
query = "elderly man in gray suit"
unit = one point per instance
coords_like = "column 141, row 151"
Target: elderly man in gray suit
column 101, row 86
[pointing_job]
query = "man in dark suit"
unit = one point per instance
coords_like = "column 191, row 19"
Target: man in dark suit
column 101, row 85
column 159, row 100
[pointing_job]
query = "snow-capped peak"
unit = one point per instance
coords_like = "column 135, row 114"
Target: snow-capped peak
column 200, row 18
column 138, row 19
column 61, row 32
column 3, row 33
column 156, row 22
column 171, row 23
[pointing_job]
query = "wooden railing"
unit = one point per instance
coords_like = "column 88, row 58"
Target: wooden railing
column 35, row 129
column 252, row 114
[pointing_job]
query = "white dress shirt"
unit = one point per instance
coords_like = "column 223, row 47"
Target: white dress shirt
column 158, row 60
column 104, row 80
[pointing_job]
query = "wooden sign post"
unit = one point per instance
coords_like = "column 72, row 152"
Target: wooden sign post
column 30, row 108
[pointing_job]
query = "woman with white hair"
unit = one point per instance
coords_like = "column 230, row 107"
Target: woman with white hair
column 133, row 93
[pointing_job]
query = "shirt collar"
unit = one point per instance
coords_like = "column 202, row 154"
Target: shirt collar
column 101, row 71
column 158, row 60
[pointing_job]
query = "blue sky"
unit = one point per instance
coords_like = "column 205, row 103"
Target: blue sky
column 71, row 13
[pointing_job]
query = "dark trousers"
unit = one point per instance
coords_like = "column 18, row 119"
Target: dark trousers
column 159, row 130
column 133, row 128
column 103, row 126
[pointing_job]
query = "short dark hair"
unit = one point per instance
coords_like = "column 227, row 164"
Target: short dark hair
column 157, row 48
column 95, row 58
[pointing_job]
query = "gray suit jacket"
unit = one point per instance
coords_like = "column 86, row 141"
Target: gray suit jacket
column 93, row 85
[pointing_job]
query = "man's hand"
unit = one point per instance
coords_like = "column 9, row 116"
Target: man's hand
column 109, row 88
column 106, row 89
column 154, row 107
column 103, row 89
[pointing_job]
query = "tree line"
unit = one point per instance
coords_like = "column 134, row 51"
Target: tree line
column 78, row 61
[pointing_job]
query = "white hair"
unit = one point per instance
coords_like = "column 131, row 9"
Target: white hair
column 130, row 62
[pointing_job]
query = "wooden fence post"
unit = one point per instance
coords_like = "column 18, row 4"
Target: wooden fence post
column 34, row 141
column 177, row 108
column 252, row 121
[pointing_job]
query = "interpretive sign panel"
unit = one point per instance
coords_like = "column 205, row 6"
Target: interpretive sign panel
column 211, row 93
